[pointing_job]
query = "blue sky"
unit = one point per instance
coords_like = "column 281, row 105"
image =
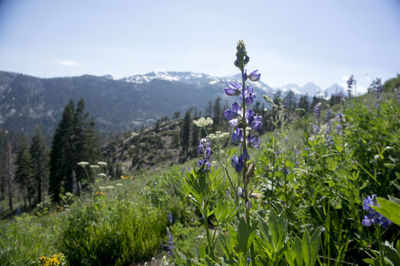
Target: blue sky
column 288, row 41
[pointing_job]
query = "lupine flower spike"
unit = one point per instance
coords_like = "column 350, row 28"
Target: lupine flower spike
column 372, row 216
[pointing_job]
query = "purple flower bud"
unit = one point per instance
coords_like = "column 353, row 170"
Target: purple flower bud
column 253, row 142
column 234, row 89
column 373, row 216
column 229, row 115
column 315, row 128
column 205, row 150
column 317, row 110
column 256, row 123
column 234, row 122
column 366, row 222
column 246, row 59
column 249, row 95
column 170, row 218
column 237, row 136
column 351, row 81
column 244, row 75
column 235, row 107
column 237, row 163
column 369, row 201
column 285, row 170
column 254, row 76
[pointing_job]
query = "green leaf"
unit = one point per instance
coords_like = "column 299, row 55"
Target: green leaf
column 296, row 247
column 392, row 255
column 314, row 245
column 389, row 209
column 306, row 249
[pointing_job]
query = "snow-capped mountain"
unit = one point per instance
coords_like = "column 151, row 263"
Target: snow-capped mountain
column 312, row 89
column 198, row 79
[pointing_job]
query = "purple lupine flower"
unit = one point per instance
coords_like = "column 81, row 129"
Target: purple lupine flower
column 372, row 216
column 249, row 95
column 366, row 222
column 240, row 117
column 378, row 90
column 170, row 243
column 317, row 110
column 285, row 170
column 329, row 127
column 234, row 89
column 315, row 128
column 339, row 129
column 296, row 164
column 235, row 112
column 351, row 81
column 329, row 141
column 328, row 115
column 170, row 218
column 233, row 116
column 205, row 150
column 238, row 162
column 254, row 76
column 253, row 142
column 340, row 116
column 244, row 75
column 237, row 136
column 253, row 120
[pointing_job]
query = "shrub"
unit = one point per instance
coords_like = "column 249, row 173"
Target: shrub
column 111, row 232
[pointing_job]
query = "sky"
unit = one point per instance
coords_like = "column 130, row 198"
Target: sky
column 288, row 41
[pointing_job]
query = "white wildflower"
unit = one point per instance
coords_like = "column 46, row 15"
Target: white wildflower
column 203, row 122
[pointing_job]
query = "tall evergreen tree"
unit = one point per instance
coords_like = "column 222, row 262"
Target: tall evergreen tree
column 185, row 132
column 217, row 113
column 290, row 102
column 9, row 172
column 304, row 104
column 40, row 162
column 86, row 141
column 74, row 141
column 23, row 173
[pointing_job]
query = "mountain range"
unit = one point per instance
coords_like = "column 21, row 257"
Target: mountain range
column 115, row 104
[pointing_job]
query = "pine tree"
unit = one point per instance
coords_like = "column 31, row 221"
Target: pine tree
column 23, row 173
column 40, row 161
column 74, row 141
column 86, row 142
column 217, row 113
column 62, row 152
column 303, row 103
column 195, row 134
column 9, row 172
column 185, row 132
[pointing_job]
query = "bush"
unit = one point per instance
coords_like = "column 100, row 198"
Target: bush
column 116, row 232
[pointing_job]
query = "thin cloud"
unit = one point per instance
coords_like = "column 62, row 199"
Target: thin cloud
column 68, row 63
